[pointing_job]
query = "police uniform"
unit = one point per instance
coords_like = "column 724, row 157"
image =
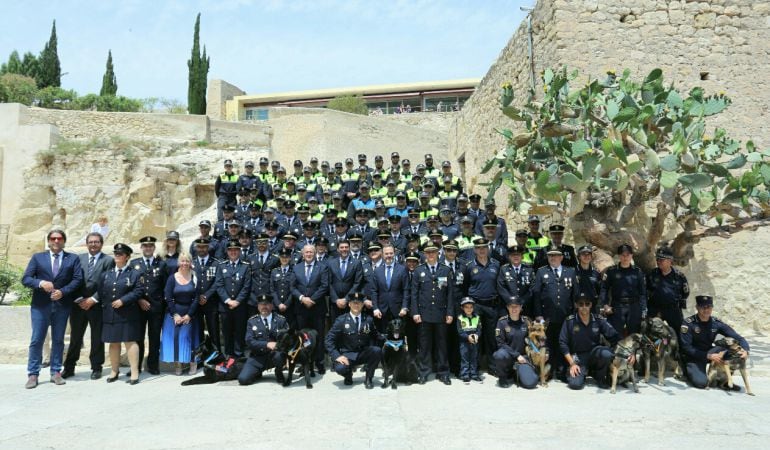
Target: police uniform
column 582, row 342
column 624, row 289
column 433, row 297
column 121, row 324
column 281, row 281
column 259, row 332
column 511, row 338
column 516, row 282
column 205, row 271
column 225, row 189
column 233, row 282
column 482, row 288
column 261, row 268
column 553, row 297
column 356, row 338
column 667, row 294
column 697, row 339
column 589, row 281
column 154, row 277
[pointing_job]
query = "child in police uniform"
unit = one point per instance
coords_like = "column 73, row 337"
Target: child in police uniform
column 469, row 329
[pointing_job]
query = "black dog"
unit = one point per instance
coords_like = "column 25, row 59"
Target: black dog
column 299, row 348
column 216, row 366
column 396, row 360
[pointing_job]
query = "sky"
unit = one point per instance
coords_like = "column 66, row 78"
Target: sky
column 263, row 46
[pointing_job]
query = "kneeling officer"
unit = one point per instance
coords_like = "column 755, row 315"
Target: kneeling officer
column 261, row 335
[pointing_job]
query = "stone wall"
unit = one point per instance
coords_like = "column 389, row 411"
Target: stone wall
column 237, row 133
column 217, row 94
column 97, row 124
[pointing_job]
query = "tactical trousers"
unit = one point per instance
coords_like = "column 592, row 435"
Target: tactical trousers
column 525, row 374
column 370, row 356
column 596, row 362
column 626, row 316
column 258, row 363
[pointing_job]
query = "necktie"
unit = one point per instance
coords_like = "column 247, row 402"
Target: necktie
column 91, row 262
column 358, row 323
column 261, row 260
column 200, row 262
column 343, row 266
column 556, row 272
column 308, row 269
column 119, row 272
column 517, row 271
column 452, row 266
column 264, row 319
column 147, row 262
column 433, row 270
column 285, row 269
column 388, row 275
column 55, row 266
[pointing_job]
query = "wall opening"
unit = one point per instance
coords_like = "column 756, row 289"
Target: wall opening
column 704, row 76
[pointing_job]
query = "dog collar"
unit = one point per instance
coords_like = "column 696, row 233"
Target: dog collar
column 395, row 345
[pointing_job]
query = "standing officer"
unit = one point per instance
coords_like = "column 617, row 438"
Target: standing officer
column 154, row 273
column 623, row 293
column 697, row 336
column 557, row 235
column 233, row 284
column 515, row 279
column 535, row 239
column 205, row 267
column 353, row 340
column 249, row 180
column 433, row 308
column 481, row 278
column 589, row 278
column 511, row 334
column 225, row 188
column 262, row 264
column 261, row 336
column 667, row 290
column 553, row 294
column 281, row 282
column 582, row 349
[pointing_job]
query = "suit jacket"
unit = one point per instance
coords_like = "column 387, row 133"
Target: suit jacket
column 128, row 287
column 393, row 298
column 92, row 280
column 316, row 287
column 68, row 280
column 353, row 280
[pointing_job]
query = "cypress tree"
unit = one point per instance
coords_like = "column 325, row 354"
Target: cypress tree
column 198, row 69
column 109, row 82
column 49, row 69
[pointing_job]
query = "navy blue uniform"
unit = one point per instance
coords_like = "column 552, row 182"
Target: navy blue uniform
column 154, row 279
column 208, row 313
column 697, row 339
column 359, row 344
column 667, row 296
column 482, row 288
column 553, row 297
column 582, row 342
column 261, row 358
column 261, row 267
column 433, row 299
column 516, row 281
column 281, row 282
column 570, row 260
column 121, row 324
column 233, row 282
column 511, row 338
column 624, row 289
column 589, row 283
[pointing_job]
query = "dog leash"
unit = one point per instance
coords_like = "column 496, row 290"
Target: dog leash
column 293, row 353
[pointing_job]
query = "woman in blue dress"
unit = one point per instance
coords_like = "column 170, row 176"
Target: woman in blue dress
column 179, row 337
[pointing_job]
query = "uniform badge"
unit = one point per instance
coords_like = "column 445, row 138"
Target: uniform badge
column 604, row 276
column 254, row 328
column 224, row 270
column 507, row 329
column 475, row 270
column 684, row 328
column 545, row 277
column 575, row 329
column 137, row 267
column 278, row 275
column 497, row 332
column 697, row 329
column 422, row 274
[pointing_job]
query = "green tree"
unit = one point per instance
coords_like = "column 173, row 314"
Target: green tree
column 49, row 69
column 109, row 82
column 619, row 158
column 29, row 65
column 198, row 69
column 54, row 97
column 354, row 104
column 114, row 103
column 18, row 88
column 13, row 65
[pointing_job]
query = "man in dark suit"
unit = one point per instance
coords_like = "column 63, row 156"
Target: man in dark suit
column 55, row 277
column 310, row 288
column 86, row 313
column 389, row 289
column 205, row 267
column 345, row 278
column 233, row 284
column 433, row 308
column 154, row 273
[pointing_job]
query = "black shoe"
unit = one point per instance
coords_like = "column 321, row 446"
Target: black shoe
column 466, row 379
column 348, row 381
column 96, row 374
column 153, row 371
column 503, row 383
column 112, row 379
column 735, row 388
column 421, row 380
column 67, row 373
column 445, row 379
column 368, row 383
column 133, row 382
column 476, row 378
column 321, row 369
column 128, row 372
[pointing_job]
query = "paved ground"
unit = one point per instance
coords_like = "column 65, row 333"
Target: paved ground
column 159, row 413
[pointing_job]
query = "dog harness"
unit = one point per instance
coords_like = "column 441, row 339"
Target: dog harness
column 532, row 345
column 395, row 345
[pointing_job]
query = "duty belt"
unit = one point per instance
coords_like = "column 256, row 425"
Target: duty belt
column 627, row 300
column 492, row 301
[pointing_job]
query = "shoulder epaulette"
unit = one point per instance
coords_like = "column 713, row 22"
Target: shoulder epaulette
column 502, row 318
column 689, row 319
column 255, row 315
column 570, row 317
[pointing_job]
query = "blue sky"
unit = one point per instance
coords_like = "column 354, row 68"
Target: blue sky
column 264, row 45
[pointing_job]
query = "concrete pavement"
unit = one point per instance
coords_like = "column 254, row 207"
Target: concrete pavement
column 159, row 413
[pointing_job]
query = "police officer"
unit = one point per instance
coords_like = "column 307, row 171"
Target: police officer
column 154, row 274
column 623, row 294
column 667, row 289
column 579, row 341
column 553, row 296
column 262, row 332
column 515, row 279
column 556, row 232
column 697, row 336
column 281, row 282
column 535, row 239
column 433, row 308
column 225, row 188
column 233, row 284
column 353, row 340
column 205, row 267
column 262, row 264
column 481, row 277
column 510, row 334
column 589, row 279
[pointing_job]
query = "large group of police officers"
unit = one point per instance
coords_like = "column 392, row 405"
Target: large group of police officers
column 349, row 248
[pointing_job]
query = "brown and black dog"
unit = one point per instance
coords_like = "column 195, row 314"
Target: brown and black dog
column 721, row 374
column 620, row 370
column 661, row 345
column 537, row 350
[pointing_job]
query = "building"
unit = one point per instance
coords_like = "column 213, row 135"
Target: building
column 381, row 99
